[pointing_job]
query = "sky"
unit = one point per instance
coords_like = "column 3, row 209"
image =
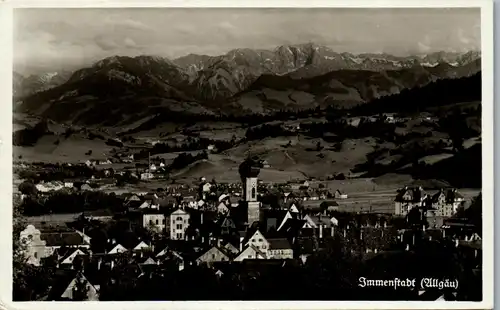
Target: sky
column 53, row 39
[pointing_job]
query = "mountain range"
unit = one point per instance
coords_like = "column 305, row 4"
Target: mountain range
column 122, row 90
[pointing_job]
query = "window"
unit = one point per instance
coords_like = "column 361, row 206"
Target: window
column 156, row 222
column 260, row 239
column 253, row 240
column 253, row 192
column 213, row 256
column 179, row 218
column 151, row 222
column 35, row 255
column 179, row 236
column 179, row 226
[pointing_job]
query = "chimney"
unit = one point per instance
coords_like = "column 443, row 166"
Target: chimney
column 99, row 262
column 321, row 231
column 112, row 264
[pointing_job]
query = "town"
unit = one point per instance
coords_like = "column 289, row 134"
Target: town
column 231, row 239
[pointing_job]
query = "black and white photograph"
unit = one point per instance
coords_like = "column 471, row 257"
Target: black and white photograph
column 251, row 154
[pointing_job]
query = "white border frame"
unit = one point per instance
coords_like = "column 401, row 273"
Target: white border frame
column 6, row 19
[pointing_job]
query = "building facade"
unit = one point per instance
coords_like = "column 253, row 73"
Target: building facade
column 179, row 222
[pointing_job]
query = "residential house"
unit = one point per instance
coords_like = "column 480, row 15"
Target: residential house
column 265, row 164
column 222, row 208
column 117, row 248
column 142, row 246
column 279, row 248
column 147, row 176
column 340, row 195
column 408, row 198
column 179, row 221
column 214, row 254
column 154, row 219
column 227, row 226
column 57, row 239
column 258, row 241
column 152, row 168
column 250, row 252
column 150, row 204
column 66, row 281
column 319, row 225
column 446, row 203
column 168, row 254
column 290, row 215
column 70, row 256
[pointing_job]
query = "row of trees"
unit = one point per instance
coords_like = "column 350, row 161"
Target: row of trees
column 62, row 202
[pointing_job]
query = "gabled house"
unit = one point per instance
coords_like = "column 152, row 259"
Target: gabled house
column 149, row 204
column 319, row 225
column 222, row 208
column 66, row 284
column 142, row 246
column 446, row 203
column 214, row 254
column 117, row 249
column 169, row 255
column 258, row 241
column 227, row 226
column 340, row 195
column 288, row 216
column 408, row 198
column 71, row 255
column 250, row 252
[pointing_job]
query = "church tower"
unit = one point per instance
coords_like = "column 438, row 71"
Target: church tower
column 249, row 172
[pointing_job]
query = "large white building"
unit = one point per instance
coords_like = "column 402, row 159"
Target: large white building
column 179, row 222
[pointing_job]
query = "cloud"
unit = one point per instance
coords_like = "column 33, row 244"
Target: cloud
column 128, row 42
column 116, row 21
column 105, row 43
column 86, row 35
column 462, row 37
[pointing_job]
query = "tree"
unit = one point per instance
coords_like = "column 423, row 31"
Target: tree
column 18, row 252
column 27, row 188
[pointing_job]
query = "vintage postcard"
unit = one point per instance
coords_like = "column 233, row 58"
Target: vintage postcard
column 265, row 154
